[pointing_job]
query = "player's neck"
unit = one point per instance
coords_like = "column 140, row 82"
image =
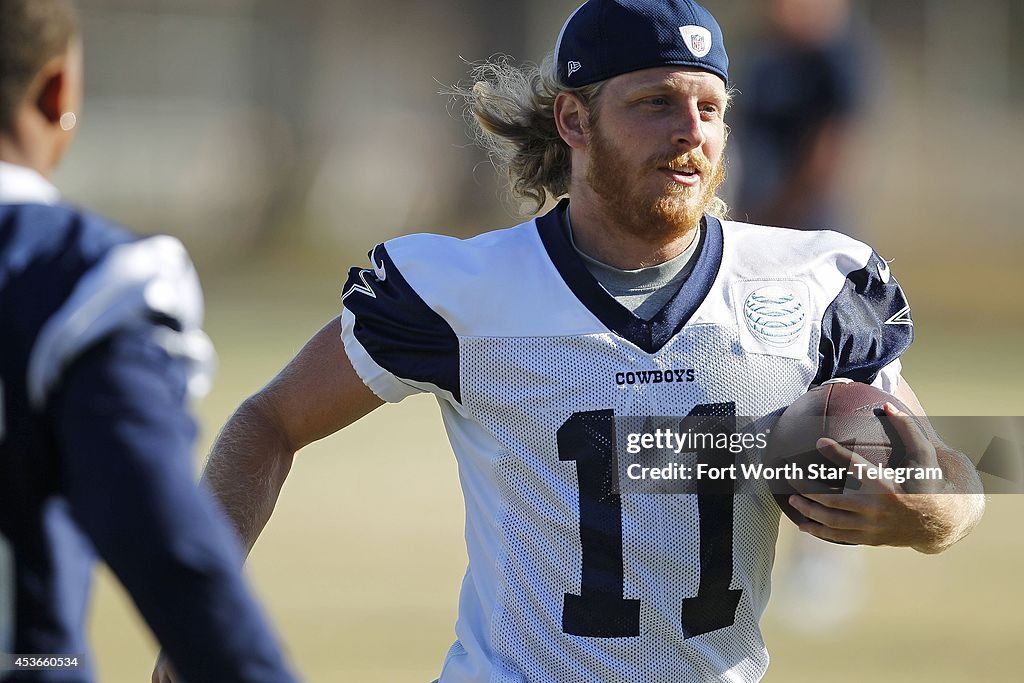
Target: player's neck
column 30, row 150
column 606, row 241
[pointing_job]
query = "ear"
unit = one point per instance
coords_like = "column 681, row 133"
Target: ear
column 50, row 102
column 571, row 120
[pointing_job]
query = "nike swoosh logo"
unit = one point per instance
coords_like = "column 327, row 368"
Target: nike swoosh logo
column 883, row 271
column 378, row 268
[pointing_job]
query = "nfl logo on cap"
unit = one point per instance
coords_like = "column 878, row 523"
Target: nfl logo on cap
column 613, row 37
column 698, row 40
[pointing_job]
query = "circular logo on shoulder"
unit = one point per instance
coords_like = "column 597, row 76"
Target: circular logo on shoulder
column 774, row 315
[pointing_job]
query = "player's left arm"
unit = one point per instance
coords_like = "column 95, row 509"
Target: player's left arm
column 961, row 503
column 929, row 516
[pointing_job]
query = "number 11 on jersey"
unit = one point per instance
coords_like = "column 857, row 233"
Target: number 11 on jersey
column 600, row 610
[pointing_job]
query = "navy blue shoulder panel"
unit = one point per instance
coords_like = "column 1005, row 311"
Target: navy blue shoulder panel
column 866, row 327
column 398, row 329
column 43, row 229
column 44, row 251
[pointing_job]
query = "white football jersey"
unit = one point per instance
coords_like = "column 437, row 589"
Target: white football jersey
column 530, row 358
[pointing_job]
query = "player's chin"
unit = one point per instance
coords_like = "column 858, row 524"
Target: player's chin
column 683, row 201
column 683, row 197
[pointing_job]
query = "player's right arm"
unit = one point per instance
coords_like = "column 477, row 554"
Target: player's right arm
column 315, row 395
column 388, row 344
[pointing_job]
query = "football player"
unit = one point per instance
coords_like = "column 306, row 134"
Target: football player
column 633, row 297
column 101, row 345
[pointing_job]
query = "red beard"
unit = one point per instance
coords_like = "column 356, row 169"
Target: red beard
column 667, row 213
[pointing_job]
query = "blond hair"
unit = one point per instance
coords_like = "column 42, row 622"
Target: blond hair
column 511, row 112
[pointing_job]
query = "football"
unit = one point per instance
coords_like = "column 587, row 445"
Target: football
column 848, row 412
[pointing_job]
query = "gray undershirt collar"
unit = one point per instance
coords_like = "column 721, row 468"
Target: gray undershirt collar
column 644, row 291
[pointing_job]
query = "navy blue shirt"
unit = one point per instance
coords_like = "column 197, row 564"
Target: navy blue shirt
column 788, row 93
column 99, row 342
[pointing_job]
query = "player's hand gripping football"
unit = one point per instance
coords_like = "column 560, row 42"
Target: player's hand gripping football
column 878, row 511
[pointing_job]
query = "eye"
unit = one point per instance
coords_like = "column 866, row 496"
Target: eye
column 710, row 110
column 658, row 101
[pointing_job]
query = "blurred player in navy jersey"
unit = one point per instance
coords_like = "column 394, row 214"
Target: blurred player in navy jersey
column 802, row 91
column 100, row 347
column 532, row 340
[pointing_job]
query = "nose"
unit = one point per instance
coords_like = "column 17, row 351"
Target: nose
column 689, row 129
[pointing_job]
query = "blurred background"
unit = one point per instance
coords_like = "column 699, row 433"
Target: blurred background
column 281, row 140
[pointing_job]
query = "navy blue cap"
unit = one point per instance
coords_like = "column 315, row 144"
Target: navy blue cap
column 605, row 38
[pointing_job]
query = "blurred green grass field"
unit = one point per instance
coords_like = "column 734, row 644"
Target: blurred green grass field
column 361, row 564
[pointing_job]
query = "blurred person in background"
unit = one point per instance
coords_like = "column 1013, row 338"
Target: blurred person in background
column 101, row 348
column 526, row 337
column 801, row 92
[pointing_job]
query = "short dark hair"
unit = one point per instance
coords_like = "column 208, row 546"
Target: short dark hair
column 31, row 32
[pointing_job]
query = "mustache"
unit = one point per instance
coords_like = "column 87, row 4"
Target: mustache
column 693, row 158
